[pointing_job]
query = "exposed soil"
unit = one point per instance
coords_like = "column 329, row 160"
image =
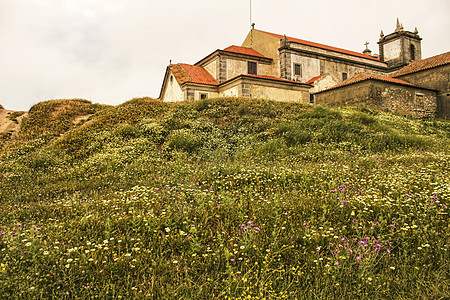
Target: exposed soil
column 7, row 125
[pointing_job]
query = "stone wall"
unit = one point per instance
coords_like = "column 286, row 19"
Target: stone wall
column 436, row 79
column 193, row 91
column 236, row 67
column 267, row 45
column 255, row 87
column 213, row 68
column 173, row 91
column 314, row 65
column 404, row 100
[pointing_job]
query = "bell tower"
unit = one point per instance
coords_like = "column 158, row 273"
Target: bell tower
column 400, row 48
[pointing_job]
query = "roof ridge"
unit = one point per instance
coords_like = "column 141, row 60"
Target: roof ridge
column 186, row 72
column 323, row 46
column 424, row 64
column 367, row 76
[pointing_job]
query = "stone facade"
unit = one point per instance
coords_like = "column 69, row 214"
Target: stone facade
column 401, row 99
column 400, row 48
column 436, row 78
column 283, row 68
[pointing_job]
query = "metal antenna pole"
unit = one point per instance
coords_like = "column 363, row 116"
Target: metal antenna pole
column 251, row 26
column 250, row 12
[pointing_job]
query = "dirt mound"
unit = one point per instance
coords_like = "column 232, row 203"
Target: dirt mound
column 10, row 121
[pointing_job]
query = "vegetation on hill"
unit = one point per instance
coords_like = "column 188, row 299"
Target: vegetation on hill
column 224, row 198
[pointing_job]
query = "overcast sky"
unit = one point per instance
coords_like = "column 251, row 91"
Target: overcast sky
column 110, row 51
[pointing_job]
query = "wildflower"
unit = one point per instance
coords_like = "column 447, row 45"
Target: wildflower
column 175, row 261
column 256, row 229
column 358, row 258
column 28, row 244
column 343, row 203
column 46, row 253
column 392, row 268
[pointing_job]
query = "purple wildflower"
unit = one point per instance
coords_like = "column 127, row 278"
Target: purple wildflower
column 256, row 229
column 358, row 258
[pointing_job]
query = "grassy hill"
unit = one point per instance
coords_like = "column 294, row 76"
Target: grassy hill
column 223, row 198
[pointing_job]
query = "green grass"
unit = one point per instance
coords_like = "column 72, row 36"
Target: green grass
column 224, row 198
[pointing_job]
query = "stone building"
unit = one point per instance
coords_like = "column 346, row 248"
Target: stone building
column 273, row 66
column 389, row 94
column 431, row 73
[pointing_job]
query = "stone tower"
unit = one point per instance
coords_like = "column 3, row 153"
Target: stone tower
column 400, row 48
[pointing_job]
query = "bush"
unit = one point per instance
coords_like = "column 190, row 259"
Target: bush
column 184, row 140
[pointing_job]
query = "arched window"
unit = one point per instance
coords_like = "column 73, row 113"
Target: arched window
column 412, row 51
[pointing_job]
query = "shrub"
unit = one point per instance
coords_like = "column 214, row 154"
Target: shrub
column 184, row 140
column 127, row 131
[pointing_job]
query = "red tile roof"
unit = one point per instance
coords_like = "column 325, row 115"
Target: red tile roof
column 312, row 80
column 365, row 76
column 195, row 74
column 424, row 64
column 321, row 46
column 243, row 50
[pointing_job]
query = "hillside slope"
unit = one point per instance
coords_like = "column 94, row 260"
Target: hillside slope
column 221, row 198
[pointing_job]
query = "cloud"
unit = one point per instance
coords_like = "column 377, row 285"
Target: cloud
column 110, row 51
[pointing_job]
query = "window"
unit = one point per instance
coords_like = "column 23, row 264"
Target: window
column 311, row 98
column 344, row 76
column 252, row 67
column 419, row 101
column 171, row 78
column 203, row 96
column 412, row 51
column 297, row 69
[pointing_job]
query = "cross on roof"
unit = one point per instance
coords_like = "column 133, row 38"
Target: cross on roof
column 367, row 44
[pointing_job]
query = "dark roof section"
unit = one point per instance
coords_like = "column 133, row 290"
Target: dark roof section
column 243, row 50
column 321, row 46
column 314, row 79
column 365, row 76
column 424, row 64
column 237, row 51
column 187, row 73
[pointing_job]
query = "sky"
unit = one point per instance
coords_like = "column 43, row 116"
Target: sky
column 110, row 51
